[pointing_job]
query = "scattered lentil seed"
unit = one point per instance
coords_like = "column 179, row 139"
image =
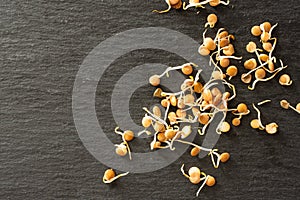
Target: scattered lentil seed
column 251, row 47
column 211, row 20
column 224, row 157
column 286, row 105
column 285, row 80
column 110, row 176
column 146, row 121
column 260, row 73
column 211, row 181
column 266, row 26
column 242, row 108
column 195, row 151
column 264, row 57
column 271, row 128
column 225, row 127
column 246, row 78
column 165, row 102
column 224, row 62
column 265, row 36
column 128, row 135
column 254, row 123
column 214, row 3
column 161, row 137
column 236, row 122
column 255, row 30
column 187, row 69
column 154, row 80
column 121, row 150
column 209, row 43
column 157, row 93
column 203, row 51
column 231, row 71
column 228, row 50
column 198, row 87
column 267, row 46
column 250, row 64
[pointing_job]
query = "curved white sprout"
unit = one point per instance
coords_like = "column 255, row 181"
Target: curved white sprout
column 258, row 117
column 203, row 184
column 164, row 11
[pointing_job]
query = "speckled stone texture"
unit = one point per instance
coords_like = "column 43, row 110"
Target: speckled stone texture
column 43, row 44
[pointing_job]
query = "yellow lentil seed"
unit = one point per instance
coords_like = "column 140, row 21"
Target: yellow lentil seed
column 255, row 30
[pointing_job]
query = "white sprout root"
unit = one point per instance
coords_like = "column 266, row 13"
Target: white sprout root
column 262, row 127
column 164, row 11
column 203, row 184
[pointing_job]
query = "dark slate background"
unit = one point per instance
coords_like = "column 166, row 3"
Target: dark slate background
column 43, row 44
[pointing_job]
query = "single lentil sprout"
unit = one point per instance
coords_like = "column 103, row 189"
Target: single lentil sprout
column 195, row 151
column 267, row 46
column 263, row 57
column 236, row 122
column 231, row 71
column 128, row 135
column 203, row 118
column 228, row 50
column 203, row 51
column 286, row 105
column 271, row 128
column 154, row 80
column 242, row 108
column 267, row 26
column 265, row 36
column 255, row 30
column 254, row 123
column 173, row 100
column 224, row 157
column 251, row 47
column 285, row 80
column 161, row 137
column 209, row 43
column 211, row 20
column 198, row 87
column 224, row 42
column 121, row 150
column 224, row 62
column 211, row 181
column 146, row 121
column 157, row 93
column 246, row 78
column 225, row 127
column 187, row 69
column 260, row 73
column 164, row 102
column 250, row 64
column 193, row 174
column 110, row 176
column 214, row 3
column 223, row 34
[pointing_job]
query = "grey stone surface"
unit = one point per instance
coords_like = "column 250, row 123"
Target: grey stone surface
column 41, row 156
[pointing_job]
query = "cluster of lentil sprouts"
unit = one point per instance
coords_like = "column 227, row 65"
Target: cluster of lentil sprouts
column 198, row 103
